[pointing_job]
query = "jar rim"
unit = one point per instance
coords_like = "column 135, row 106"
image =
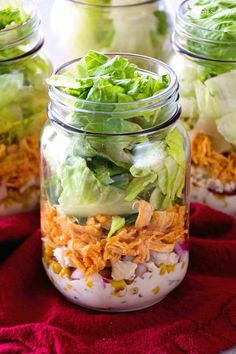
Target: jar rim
column 173, row 86
column 27, row 54
column 134, row 4
column 193, row 56
column 143, row 132
column 33, row 17
column 199, row 42
column 25, row 36
column 166, row 98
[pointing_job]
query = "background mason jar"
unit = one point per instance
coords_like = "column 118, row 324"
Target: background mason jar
column 24, row 98
column 52, row 46
column 68, row 154
column 206, row 68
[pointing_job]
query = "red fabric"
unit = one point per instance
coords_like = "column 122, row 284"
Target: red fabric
column 197, row 318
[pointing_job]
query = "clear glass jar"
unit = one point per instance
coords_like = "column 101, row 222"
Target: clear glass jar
column 131, row 26
column 117, row 242
column 205, row 63
column 23, row 103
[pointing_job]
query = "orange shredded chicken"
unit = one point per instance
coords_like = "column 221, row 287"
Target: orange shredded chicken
column 217, row 165
column 89, row 248
column 145, row 214
column 19, row 162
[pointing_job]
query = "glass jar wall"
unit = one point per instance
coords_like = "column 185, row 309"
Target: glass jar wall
column 206, row 66
column 114, row 210
column 24, row 98
column 131, row 26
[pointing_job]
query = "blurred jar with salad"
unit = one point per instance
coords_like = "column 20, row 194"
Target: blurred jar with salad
column 115, row 180
column 23, row 103
column 205, row 43
column 130, row 26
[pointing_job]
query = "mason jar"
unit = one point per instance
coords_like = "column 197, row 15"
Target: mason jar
column 131, row 26
column 205, row 63
column 114, row 209
column 23, row 103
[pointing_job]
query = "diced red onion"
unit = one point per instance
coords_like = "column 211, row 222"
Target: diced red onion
column 181, row 248
column 105, row 282
column 141, row 270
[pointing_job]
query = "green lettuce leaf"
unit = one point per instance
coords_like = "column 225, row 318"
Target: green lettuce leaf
column 84, row 195
column 102, row 79
column 140, row 29
column 215, row 20
column 138, row 184
column 117, row 224
column 226, row 126
column 175, row 146
column 109, row 174
column 12, row 14
column 23, row 97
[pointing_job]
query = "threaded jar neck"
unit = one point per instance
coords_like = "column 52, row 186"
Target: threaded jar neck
column 157, row 111
column 202, row 42
column 21, row 40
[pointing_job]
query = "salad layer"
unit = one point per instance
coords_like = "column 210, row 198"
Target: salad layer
column 12, row 14
column 18, row 28
column 208, row 28
column 19, row 173
column 22, row 107
column 150, row 283
column 22, row 113
column 135, row 267
column 94, row 246
column 207, row 91
column 144, row 27
column 113, row 205
column 221, row 167
column 213, row 175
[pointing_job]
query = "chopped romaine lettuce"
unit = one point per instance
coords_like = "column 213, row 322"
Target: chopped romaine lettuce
column 84, row 195
column 116, row 225
column 215, row 103
column 9, row 16
column 208, row 87
column 12, row 14
column 174, row 141
column 108, row 80
column 214, row 21
column 138, row 184
column 102, row 79
column 226, row 126
column 109, row 174
column 112, row 27
column 23, row 97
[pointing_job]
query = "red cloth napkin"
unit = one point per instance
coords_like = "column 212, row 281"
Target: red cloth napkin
column 199, row 317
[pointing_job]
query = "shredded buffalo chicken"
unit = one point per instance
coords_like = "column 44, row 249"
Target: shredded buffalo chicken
column 88, row 247
column 19, row 162
column 217, row 165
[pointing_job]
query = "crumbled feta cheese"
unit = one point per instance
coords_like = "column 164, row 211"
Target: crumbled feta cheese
column 200, row 178
column 123, row 270
column 60, row 254
column 77, row 274
column 167, row 258
column 151, row 267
